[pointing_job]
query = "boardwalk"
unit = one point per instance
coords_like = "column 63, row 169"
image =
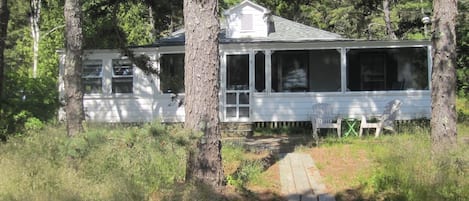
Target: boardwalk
column 300, row 179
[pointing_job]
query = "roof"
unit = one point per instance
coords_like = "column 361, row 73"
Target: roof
column 282, row 30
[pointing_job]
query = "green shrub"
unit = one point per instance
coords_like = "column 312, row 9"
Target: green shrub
column 248, row 171
column 26, row 103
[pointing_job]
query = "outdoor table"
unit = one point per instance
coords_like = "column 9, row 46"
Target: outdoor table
column 351, row 126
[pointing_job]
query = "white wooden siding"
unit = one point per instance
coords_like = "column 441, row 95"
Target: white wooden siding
column 297, row 106
column 132, row 108
column 234, row 22
column 147, row 103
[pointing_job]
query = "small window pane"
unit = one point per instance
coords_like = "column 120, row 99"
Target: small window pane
column 92, row 85
column 231, row 112
column 244, row 98
column 231, row 98
column 243, row 111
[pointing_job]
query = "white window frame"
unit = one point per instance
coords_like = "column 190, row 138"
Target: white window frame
column 96, row 74
column 123, row 63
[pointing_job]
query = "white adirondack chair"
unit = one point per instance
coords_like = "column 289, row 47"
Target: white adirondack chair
column 385, row 121
column 323, row 117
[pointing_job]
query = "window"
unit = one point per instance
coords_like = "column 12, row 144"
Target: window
column 172, row 73
column 122, row 76
column 305, row 71
column 383, row 69
column 92, row 76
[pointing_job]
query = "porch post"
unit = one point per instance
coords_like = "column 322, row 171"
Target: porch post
column 222, row 92
column 430, row 66
column 343, row 69
column 107, row 75
column 268, row 71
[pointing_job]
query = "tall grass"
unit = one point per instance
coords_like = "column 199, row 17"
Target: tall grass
column 407, row 170
column 126, row 163
column 240, row 169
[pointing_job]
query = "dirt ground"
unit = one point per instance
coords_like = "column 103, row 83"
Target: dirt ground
column 341, row 169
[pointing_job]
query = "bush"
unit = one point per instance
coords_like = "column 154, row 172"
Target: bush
column 26, row 103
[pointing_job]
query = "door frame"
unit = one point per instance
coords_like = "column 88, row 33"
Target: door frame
column 224, row 90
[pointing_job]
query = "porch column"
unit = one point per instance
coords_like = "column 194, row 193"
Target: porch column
column 107, row 75
column 430, row 66
column 343, row 69
column 222, row 91
column 268, row 71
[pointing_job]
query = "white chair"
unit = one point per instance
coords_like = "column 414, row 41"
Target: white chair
column 385, row 121
column 323, row 117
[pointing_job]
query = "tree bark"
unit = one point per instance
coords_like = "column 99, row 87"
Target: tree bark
column 202, row 89
column 73, row 67
column 387, row 19
column 443, row 122
column 35, row 7
column 4, row 17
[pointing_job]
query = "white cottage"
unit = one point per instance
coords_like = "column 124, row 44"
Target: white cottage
column 272, row 70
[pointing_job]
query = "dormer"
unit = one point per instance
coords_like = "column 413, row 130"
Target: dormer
column 247, row 20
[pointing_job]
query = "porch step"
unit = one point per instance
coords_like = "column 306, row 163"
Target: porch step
column 237, row 129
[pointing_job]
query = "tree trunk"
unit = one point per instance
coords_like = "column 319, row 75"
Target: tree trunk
column 35, row 6
column 4, row 17
column 443, row 122
column 387, row 19
column 73, row 67
column 201, row 90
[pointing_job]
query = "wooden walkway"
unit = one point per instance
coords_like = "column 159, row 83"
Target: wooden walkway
column 300, row 179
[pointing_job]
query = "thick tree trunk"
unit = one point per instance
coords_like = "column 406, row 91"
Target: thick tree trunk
column 35, row 6
column 202, row 88
column 4, row 17
column 443, row 122
column 73, row 65
column 387, row 19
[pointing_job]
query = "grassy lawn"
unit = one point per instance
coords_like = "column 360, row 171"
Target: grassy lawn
column 148, row 163
column 393, row 167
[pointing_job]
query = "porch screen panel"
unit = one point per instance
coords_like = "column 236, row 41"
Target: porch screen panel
column 324, row 73
column 306, row 71
column 384, row 69
column 172, row 73
column 260, row 71
column 237, row 72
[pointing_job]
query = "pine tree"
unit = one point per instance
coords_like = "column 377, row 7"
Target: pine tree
column 201, row 90
column 73, row 66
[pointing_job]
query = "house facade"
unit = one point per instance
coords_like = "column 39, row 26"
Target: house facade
column 271, row 70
